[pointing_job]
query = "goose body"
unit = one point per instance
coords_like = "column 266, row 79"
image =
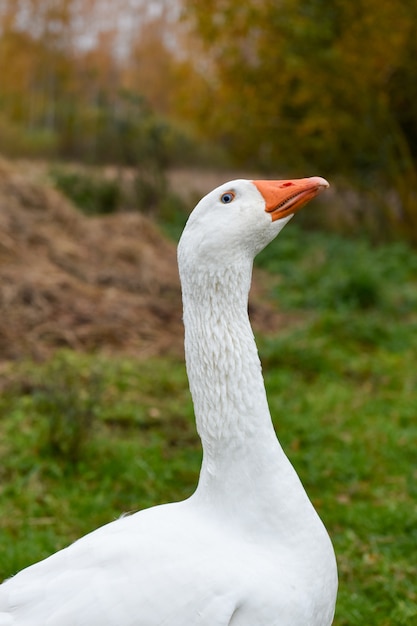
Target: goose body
column 247, row 548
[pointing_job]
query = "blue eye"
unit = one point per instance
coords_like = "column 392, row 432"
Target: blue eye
column 227, row 197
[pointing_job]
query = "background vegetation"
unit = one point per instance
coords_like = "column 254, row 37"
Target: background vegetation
column 290, row 87
column 113, row 96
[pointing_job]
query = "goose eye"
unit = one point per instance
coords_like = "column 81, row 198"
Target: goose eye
column 227, row 197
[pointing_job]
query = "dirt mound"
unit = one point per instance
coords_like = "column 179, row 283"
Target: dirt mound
column 87, row 283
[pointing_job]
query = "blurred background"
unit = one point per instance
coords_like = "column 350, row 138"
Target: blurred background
column 295, row 86
column 116, row 116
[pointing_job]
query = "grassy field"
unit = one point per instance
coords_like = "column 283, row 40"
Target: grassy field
column 85, row 438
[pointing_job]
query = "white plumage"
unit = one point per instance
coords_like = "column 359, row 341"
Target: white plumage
column 247, row 548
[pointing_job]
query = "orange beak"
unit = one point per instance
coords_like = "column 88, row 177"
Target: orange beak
column 285, row 197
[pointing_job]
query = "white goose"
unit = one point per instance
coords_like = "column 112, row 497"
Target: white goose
column 247, row 548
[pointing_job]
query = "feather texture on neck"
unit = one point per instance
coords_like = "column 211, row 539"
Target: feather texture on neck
column 222, row 360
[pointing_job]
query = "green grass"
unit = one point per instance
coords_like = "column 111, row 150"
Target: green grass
column 342, row 387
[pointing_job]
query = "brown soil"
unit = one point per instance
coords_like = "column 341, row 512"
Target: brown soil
column 105, row 283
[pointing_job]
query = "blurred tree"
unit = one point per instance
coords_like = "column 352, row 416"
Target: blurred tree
column 66, row 78
column 150, row 67
column 36, row 61
column 311, row 79
column 304, row 82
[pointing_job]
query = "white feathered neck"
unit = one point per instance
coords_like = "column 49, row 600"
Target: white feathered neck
column 221, row 356
column 245, row 473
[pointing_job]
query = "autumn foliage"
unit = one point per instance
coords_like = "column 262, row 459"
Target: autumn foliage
column 294, row 86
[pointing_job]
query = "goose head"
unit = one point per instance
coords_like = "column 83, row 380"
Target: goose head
column 235, row 221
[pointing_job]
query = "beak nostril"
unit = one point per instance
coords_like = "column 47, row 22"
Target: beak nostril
column 288, row 184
